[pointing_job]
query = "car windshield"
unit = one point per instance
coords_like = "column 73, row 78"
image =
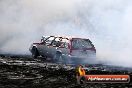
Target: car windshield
column 81, row 43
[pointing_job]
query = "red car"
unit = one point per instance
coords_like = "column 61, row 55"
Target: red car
column 65, row 49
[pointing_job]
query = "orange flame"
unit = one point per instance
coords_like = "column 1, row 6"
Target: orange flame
column 81, row 71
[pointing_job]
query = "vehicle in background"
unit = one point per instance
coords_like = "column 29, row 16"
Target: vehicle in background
column 65, row 49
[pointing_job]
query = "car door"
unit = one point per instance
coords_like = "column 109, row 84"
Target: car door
column 61, row 45
column 64, row 46
column 46, row 47
column 55, row 45
column 41, row 47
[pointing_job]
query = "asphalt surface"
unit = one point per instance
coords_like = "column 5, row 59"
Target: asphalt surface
column 24, row 72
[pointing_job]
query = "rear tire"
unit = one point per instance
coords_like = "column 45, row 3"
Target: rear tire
column 59, row 58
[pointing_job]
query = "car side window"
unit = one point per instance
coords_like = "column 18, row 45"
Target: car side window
column 43, row 40
column 81, row 43
column 56, row 42
column 49, row 40
column 64, row 43
column 86, row 43
column 60, row 42
column 75, row 43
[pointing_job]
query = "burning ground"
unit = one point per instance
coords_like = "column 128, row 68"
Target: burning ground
column 24, row 72
column 107, row 23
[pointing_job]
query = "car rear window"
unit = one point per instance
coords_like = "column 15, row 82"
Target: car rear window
column 81, row 43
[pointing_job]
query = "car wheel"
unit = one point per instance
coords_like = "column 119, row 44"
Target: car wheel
column 58, row 58
column 34, row 52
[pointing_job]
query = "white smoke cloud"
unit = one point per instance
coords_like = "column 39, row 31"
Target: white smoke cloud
column 107, row 23
column 24, row 21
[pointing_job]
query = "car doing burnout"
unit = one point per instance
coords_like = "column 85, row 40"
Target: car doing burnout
column 65, row 49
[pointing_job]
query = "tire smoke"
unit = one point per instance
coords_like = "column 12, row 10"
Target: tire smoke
column 107, row 23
